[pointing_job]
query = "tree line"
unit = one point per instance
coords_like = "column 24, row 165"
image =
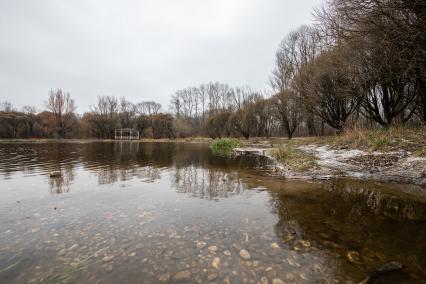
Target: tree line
column 362, row 63
column 60, row 120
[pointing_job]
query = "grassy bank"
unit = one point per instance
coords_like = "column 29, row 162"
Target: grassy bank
column 294, row 158
column 385, row 140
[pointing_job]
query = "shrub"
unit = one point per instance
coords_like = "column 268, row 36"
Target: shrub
column 224, row 147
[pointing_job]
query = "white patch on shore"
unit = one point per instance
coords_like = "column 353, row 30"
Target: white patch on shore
column 334, row 159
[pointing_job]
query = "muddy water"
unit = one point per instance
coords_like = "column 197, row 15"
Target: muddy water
column 152, row 213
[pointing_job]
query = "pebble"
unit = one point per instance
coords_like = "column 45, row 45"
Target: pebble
column 289, row 276
column 212, row 276
column 216, row 262
column 164, row 277
column 305, row 243
column 353, row 257
column 201, row 244
column 245, row 254
column 264, row 280
column 277, row 281
column 108, row 268
column 292, row 263
column 317, row 268
column 303, row 276
column 183, row 275
column 275, row 246
column 62, row 252
column 108, row 258
column 227, row 253
column 212, row 248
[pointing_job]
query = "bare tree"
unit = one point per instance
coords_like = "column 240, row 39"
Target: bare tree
column 390, row 43
column 62, row 107
column 148, row 107
column 333, row 93
column 288, row 111
column 29, row 109
column 7, row 106
column 105, row 116
column 127, row 113
column 298, row 49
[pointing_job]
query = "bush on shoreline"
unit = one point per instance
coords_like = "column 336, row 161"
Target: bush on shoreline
column 224, row 146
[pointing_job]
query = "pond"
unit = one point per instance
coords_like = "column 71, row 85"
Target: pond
column 134, row 212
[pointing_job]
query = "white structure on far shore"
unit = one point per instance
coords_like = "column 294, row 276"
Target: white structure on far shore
column 126, row 134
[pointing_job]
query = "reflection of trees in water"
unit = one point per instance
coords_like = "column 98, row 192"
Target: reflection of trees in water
column 207, row 183
column 61, row 184
column 126, row 147
column 341, row 205
column 360, row 197
column 287, row 228
column 33, row 158
column 343, row 216
column 124, row 160
column 108, row 175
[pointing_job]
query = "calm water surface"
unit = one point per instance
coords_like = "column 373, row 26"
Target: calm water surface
column 168, row 212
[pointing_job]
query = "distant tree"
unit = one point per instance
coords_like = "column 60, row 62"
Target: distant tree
column 105, row 116
column 162, row 126
column 288, row 111
column 298, row 48
column 217, row 124
column 16, row 124
column 29, row 109
column 332, row 93
column 148, row 107
column 7, row 106
column 143, row 122
column 127, row 113
column 62, row 107
column 263, row 112
column 243, row 122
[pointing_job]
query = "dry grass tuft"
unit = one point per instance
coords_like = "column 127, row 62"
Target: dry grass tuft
column 294, row 158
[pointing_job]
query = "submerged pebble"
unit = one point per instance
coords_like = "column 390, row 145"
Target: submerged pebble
column 216, row 262
column 183, row 275
column 277, row 281
column 245, row 254
column 108, row 258
column 212, row 248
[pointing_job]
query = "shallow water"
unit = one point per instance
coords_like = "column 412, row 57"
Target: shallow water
column 168, row 212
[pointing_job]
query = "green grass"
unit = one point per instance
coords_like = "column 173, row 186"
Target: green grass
column 225, row 146
column 294, row 158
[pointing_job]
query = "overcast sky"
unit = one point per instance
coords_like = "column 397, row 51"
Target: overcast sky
column 143, row 50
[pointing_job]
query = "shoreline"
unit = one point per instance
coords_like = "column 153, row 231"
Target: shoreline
column 331, row 161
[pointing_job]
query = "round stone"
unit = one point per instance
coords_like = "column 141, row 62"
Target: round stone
column 245, row 254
